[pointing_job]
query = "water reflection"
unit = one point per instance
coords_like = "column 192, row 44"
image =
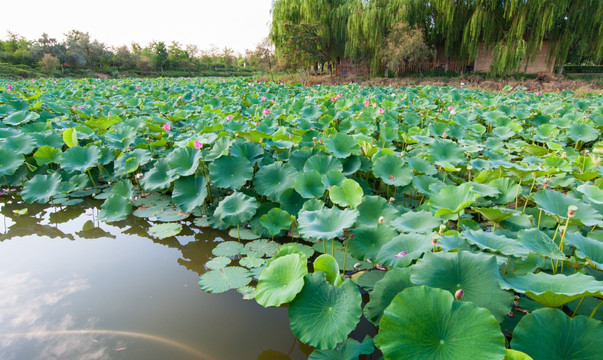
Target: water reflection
column 73, row 287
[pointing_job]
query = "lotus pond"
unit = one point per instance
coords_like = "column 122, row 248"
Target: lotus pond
column 461, row 224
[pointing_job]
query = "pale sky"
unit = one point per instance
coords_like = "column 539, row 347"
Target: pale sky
column 238, row 24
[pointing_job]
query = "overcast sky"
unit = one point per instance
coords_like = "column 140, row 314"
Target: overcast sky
column 238, row 24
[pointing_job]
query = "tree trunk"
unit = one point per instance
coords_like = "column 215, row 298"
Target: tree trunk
column 561, row 68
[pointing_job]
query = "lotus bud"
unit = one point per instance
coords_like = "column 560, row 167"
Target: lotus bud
column 442, row 228
column 586, row 152
column 357, row 265
column 564, row 155
column 469, row 168
column 381, row 219
column 352, row 236
column 571, row 211
column 380, row 267
column 444, row 135
column 400, row 254
column 459, row 294
column 434, row 242
column 391, row 200
column 546, row 182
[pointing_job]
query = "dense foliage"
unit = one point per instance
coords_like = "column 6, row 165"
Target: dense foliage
column 471, row 221
column 515, row 29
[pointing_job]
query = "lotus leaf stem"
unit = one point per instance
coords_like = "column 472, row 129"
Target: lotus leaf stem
column 595, row 309
column 517, row 192
column 530, row 193
column 578, row 307
column 539, row 218
column 507, row 267
column 324, row 245
column 93, row 184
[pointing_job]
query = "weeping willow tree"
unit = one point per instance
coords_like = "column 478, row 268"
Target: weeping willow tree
column 331, row 17
column 513, row 29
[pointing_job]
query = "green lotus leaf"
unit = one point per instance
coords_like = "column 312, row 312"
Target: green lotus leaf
column 349, row 194
column 554, row 203
column 189, row 192
column 341, row 145
column 159, row 177
column 495, row 215
column 46, row 155
column 416, row 222
column 167, row 230
column 549, row 334
column 447, row 151
column 325, row 224
column 228, row 248
column 322, row 164
column 20, row 117
column 328, row 265
column 311, row 112
column 404, row 249
column 392, row 170
column 540, row 243
column 20, row 143
column 281, row 280
column 252, row 262
column 591, row 193
column 349, row 350
column 291, row 201
column 587, row 248
column 222, row 280
column 372, row 208
column 427, row 185
column 80, row 159
column 275, row 221
column 427, row 323
column 368, row 240
column 555, row 290
column 41, row 188
column 582, row 132
column 272, row 180
column 115, row 208
column 230, row 172
column 422, row 166
column 476, row 274
column 309, row 184
column 184, row 161
column 495, row 243
column 243, row 234
column 516, row 355
column 11, row 161
column 384, row 291
column 261, row 247
column 251, row 151
column 452, row 199
column 333, row 178
column 323, row 315
column 507, row 189
column 236, row 209
column 219, row 262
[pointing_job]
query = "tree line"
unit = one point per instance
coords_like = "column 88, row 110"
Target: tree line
column 385, row 34
column 79, row 52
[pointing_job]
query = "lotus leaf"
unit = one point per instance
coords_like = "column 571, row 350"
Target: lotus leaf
column 309, row 184
column 476, row 274
column 41, row 188
column 552, row 335
column 163, row 231
column 322, row 164
column 281, row 280
column 590, row 249
column 384, row 291
column 80, row 159
column 115, row 208
column 228, row 249
column 325, row 224
column 323, row 315
column 496, row 243
column 236, row 209
column 349, row 350
column 183, row 161
column 540, row 243
column 275, row 221
column 272, row 180
column 372, row 208
column 368, row 240
column 348, row 194
column 230, row 172
column 159, row 177
column 218, row 262
column 11, row 161
column 341, row 145
column 453, row 199
column 392, row 170
column 46, row 155
column 222, row 280
column 427, row 323
column 328, row 265
column 189, row 192
column 20, row 117
column 555, row 290
column 404, row 249
column 417, row 222
column 554, row 203
column 21, row 143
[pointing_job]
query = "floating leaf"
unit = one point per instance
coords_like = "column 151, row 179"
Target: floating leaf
column 228, row 248
column 281, row 280
column 163, row 231
column 349, row 350
column 222, row 280
column 218, row 262
column 115, row 208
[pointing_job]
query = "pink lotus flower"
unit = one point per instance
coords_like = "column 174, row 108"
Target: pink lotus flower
column 444, row 135
column 113, row 86
column 450, row 108
column 73, row 107
column 33, row 80
column 229, row 117
column 198, row 145
column 334, row 98
column 80, row 107
column 267, row 111
column 179, row 97
column 459, row 294
column 167, row 127
column 452, row 112
column 54, row 82
column 400, row 254
column 137, row 87
column 339, row 95
column 538, row 93
column 9, row 87
column 381, row 110
column 263, row 98
column 366, row 103
column 462, row 84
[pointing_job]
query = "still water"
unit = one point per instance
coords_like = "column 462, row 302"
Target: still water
column 72, row 287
